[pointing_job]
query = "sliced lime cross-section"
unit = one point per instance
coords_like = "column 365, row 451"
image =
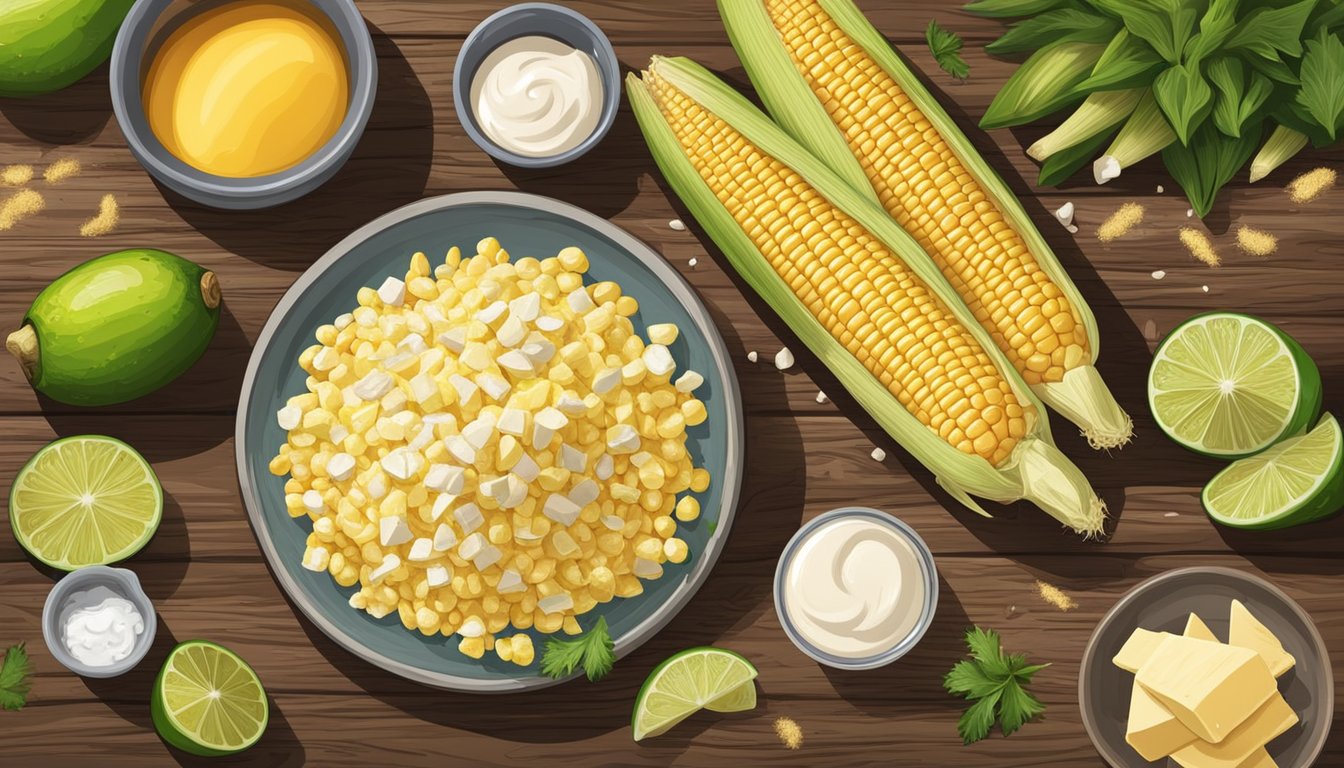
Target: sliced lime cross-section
column 1231, row 385
column 699, row 678
column 86, row 500
column 208, row 701
column 1297, row 481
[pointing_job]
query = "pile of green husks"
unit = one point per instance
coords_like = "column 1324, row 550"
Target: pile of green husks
column 1204, row 82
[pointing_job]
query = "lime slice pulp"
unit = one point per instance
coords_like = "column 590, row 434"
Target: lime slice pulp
column 1230, row 385
column 208, row 701
column 86, row 500
column 1297, row 481
column 699, row 678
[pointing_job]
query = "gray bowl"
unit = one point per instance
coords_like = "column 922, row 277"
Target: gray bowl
column 63, row 598
column 929, row 570
column 145, row 29
column 554, row 21
column 1162, row 603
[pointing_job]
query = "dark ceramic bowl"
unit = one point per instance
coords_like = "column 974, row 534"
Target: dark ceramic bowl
column 146, row 27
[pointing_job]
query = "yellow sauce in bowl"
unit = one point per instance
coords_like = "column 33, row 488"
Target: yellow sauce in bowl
column 248, row 89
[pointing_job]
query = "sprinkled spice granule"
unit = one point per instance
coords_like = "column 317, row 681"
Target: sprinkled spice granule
column 1118, row 225
column 65, row 168
column 1256, row 242
column 1311, row 185
column 790, row 733
column 1200, row 246
column 20, row 205
column 1055, row 596
column 16, row 175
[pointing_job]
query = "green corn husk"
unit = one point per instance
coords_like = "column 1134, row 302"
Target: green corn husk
column 1036, row 470
column 1046, row 82
column 1064, row 164
column 1082, row 396
column 1127, row 62
column 1281, row 146
column 1144, row 134
column 1003, row 9
column 1100, row 112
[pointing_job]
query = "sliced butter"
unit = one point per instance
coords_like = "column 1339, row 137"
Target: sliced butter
column 1138, row 648
column 1196, row 628
column 1270, row 720
column 1247, row 631
column 1211, row 687
column 1153, row 731
column 1259, row 759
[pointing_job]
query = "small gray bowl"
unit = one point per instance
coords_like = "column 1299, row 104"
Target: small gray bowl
column 927, row 568
column 147, row 26
column 62, row 599
column 545, row 19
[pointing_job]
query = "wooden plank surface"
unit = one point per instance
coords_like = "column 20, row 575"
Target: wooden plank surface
column 208, row 579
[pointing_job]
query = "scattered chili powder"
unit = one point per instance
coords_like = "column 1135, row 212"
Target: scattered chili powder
column 1118, row 225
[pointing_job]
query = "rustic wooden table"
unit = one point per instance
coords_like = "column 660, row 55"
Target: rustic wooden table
column 208, row 580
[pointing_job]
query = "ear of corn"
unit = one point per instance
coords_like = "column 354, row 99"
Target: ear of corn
column 834, row 84
column 859, row 293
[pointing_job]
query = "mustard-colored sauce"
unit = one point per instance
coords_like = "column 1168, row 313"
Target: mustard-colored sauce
column 248, row 89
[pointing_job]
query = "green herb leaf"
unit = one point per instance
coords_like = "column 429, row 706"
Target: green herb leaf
column 946, row 49
column 1322, row 92
column 1185, row 98
column 1024, row 674
column 594, row 650
column 1332, row 18
column 968, row 679
column 1004, row 9
column 1164, row 24
column 1269, row 31
column 14, row 672
column 984, row 646
column 1238, row 99
column 1208, row 162
column 1214, row 29
column 1016, row 707
column 1054, row 26
column 1127, row 62
column 976, row 721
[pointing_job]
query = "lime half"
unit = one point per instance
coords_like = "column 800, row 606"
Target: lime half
column 87, row 500
column 208, row 701
column 1295, row 482
column 1230, row 385
column 695, row 679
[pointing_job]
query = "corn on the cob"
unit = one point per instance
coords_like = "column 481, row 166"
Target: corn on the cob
column 834, row 84
column 859, row 293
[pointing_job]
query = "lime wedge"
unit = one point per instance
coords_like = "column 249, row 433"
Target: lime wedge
column 86, row 500
column 1230, row 385
column 695, row 679
column 1297, row 481
column 208, row 701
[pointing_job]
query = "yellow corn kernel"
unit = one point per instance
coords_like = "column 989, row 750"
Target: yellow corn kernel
column 675, row 550
column 688, row 509
column 472, row 646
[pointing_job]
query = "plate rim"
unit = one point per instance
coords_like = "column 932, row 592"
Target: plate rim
column 1313, row 635
column 681, row 290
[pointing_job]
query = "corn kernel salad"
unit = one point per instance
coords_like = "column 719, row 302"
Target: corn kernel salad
column 491, row 447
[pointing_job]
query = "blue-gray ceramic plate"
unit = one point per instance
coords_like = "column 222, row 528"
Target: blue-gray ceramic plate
column 527, row 225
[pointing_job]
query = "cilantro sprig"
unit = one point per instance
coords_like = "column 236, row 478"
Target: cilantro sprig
column 14, row 672
column 594, row 650
column 946, row 49
column 994, row 681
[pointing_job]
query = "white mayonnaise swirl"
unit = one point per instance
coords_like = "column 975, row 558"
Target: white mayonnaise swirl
column 854, row 588
column 537, row 96
column 103, row 629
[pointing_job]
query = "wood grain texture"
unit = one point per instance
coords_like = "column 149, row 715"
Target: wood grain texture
column 208, row 579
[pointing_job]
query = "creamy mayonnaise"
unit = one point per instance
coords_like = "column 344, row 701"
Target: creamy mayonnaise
column 104, row 629
column 537, row 96
column 854, row 588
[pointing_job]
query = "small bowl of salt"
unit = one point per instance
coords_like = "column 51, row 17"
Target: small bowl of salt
column 98, row 622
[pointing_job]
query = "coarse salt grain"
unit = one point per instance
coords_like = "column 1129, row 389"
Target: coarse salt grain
column 879, row 454
column 821, row 397
column 1159, row 274
column 677, row 224
column 752, row 356
column 692, row 263
column 783, row 359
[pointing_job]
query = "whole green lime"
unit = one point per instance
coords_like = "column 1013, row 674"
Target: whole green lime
column 46, row 45
column 117, row 327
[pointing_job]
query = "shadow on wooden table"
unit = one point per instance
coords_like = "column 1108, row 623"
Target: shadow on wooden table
column 388, row 170
column 129, row 697
column 893, row 691
column 153, row 424
column 69, row 116
column 604, row 181
column 737, row 593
